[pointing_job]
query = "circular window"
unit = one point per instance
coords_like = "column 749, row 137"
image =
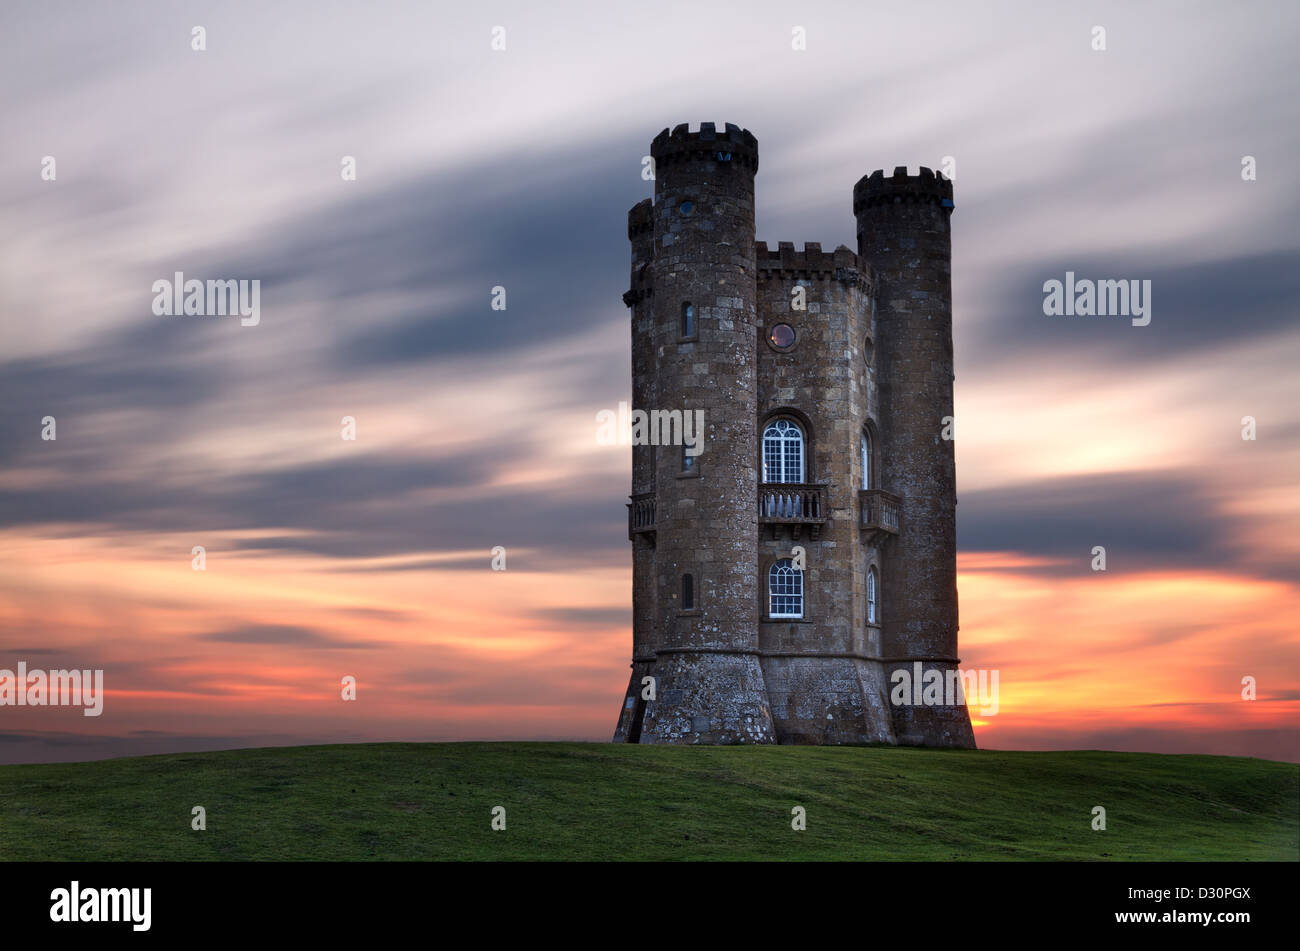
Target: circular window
column 781, row 336
column 686, row 207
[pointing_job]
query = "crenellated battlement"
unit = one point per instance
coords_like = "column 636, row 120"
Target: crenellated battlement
column 734, row 145
column 925, row 187
column 812, row 263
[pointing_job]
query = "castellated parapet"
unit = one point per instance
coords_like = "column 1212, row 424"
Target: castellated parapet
column 782, row 575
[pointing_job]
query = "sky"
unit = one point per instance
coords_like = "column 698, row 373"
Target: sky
column 476, row 168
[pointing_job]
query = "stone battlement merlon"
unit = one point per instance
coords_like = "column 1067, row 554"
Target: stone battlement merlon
column 812, row 263
column 926, row 186
column 682, row 145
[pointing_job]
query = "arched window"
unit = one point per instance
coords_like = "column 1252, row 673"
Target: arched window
column 783, row 451
column 867, row 459
column 873, row 611
column 688, row 319
column 688, row 593
column 784, row 590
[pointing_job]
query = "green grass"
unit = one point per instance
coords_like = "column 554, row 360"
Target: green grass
column 420, row 801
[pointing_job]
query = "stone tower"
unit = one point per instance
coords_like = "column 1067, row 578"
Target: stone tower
column 783, row 574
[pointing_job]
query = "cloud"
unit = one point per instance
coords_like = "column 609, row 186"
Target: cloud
column 586, row 618
column 1198, row 308
column 1145, row 520
column 286, row 635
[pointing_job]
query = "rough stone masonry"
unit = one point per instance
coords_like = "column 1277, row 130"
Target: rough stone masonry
column 781, row 576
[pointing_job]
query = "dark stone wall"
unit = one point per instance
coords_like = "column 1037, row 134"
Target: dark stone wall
column 640, row 232
column 709, row 683
column 815, row 667
column 903, row 234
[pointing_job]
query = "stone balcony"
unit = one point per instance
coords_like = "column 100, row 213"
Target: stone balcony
column 641, row 515
column 796, row 504
column 880, row 512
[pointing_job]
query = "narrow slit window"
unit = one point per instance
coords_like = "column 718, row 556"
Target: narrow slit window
column 688, row 593
column 688, row 319
column 873, row 611
column 867, row 459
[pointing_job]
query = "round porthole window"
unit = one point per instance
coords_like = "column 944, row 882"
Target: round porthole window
column 781, row 336
column 686, row 207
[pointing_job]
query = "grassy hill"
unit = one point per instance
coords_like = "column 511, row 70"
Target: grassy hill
column 420, row 801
